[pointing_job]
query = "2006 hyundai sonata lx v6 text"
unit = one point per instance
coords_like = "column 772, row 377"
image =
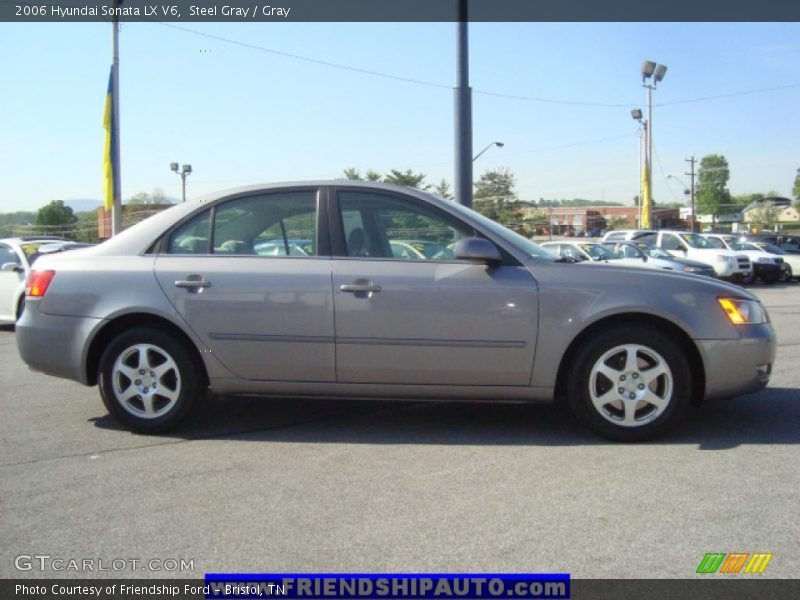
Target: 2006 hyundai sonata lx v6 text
column 308, row 289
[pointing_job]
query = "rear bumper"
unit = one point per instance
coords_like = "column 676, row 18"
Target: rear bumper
column 743, row 366
column 55, row 344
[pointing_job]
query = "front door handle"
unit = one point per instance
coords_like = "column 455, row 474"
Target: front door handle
column 193, row 283
column 360, row 288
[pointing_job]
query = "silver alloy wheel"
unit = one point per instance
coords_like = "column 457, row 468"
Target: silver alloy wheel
column 631, row 385
column 146, row 381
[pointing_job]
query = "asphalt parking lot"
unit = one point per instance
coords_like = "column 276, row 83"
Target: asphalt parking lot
column 257, row 485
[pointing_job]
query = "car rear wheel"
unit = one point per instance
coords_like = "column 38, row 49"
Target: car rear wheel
column 630, row 384
column 148, row 380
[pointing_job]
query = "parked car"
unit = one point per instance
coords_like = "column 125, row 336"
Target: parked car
column 620, row 235
column 766, row 267
column 501, row 320
column 791, row 261
column 684, row 244
column 16, row 257
column 787, row 242
column 653, row 257
column 589, row 251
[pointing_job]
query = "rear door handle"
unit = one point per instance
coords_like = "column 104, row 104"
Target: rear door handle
column 192, row 283
column 364, row 288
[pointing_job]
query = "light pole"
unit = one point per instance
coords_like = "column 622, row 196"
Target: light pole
column 463, row 111
column 498, row 144
column 636, row 114
column 656, row 72
column 184, row 172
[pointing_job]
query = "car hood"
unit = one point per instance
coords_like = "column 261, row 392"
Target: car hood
column 696, row 264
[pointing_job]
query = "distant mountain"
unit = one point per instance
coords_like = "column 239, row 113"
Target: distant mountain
column 83, row 204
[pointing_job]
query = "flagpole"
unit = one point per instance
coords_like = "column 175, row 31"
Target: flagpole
column 116, row 223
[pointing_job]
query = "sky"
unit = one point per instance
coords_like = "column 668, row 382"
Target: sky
column 240, row 114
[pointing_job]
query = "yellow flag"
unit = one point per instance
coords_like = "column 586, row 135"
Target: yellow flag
column 109, row 164
column 646, row 200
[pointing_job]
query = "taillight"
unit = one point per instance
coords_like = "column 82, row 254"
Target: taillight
column 38, row 282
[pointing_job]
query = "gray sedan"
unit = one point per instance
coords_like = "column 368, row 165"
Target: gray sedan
column 183, row 304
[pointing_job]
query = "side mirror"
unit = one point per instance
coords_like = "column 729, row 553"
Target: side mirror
column 477, row 250
column 11, row 267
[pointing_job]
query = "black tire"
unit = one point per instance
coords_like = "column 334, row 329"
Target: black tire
column 744, row 279
column 168, row 405
column 673, row 389
column 787, row 274
column 20, row 307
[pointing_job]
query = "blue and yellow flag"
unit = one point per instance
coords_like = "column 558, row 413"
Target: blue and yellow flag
column 109, row 160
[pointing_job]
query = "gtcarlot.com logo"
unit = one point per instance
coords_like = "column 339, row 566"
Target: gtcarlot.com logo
column 46, row 562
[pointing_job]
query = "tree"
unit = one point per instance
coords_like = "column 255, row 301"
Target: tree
column 497, row 185
column 140, row 198
column 407, row 178
column 764, row 217
column 86, row 228
column 496, row 197
column 443, row 189
column 712, row 190
column 373, row 175
column 796, row 190
column 56, row 219
column 352, row 174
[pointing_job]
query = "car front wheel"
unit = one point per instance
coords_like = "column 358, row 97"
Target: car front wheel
column 148, row 380
column 630, row 384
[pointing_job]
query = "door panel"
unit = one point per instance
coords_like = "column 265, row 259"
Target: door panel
column 264, row 318
column 254, row 289
column 434, row 323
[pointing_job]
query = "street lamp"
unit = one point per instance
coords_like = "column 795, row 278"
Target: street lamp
column 656, row 72
column 184, row 172
column 498, row 144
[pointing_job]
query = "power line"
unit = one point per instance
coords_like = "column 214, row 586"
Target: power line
column 432, row 84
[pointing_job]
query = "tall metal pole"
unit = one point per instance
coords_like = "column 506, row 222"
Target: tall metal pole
column 691, row 161
column 641, row 190
column 183, row 187
column 463, row 112
column 647, row 214
column 116, row 223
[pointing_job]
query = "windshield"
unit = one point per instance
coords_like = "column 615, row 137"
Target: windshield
column 698, row 241
column 597, row 252
column 773, row 249
column 746, row 246
column 715, row 242
column 654, row 251
column 513, row 238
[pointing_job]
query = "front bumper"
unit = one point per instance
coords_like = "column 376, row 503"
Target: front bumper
column 736, row 367
column 55, row 344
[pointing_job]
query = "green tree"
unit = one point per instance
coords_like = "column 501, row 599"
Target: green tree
column 140, row 198
column 56, row 219
column 443, row 190
column 712, row 188
column 407, row 178
column 496, row 197
column 764, row 217
column 352, row 174
column 796, row 189
column 86, row 228
column 373, row 175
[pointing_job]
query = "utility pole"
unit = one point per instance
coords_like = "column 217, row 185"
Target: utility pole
column 691, row 162
column 116, row 218
column 463, row 111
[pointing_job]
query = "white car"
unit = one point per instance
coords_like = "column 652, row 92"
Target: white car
column 766, row 266
column 16, row 257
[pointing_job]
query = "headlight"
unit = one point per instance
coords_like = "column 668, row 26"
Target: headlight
column 744, row 312
column 689, row 270
column 728, row 259
column 764, row 259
